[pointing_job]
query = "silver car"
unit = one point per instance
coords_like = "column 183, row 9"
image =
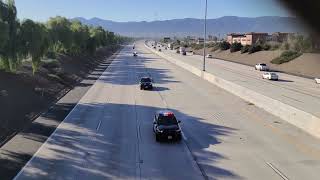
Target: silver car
column 270, row 76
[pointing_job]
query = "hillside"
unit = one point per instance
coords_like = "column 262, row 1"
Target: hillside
column 189, row 26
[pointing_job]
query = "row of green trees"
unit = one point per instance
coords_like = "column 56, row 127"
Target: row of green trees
column 29, row 39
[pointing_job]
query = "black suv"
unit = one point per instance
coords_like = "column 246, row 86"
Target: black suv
column 166, row 126
column 146, row 83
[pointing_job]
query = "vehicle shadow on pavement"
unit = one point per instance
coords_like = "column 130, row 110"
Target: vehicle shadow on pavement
column 78, row 150
column 158, row 88
column 284, row 80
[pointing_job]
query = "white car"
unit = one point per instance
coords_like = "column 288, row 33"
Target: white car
column 317, row 80
column 209, row 56
column 261, row 67
column 270, row 76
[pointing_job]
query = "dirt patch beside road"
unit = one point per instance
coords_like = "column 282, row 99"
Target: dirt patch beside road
column 23, row 95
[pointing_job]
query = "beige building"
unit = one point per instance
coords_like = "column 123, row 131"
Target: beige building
column 247, row 38
column 280, row 36
column 234, row 37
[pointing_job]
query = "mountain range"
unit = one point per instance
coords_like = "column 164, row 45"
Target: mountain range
column 194, row 27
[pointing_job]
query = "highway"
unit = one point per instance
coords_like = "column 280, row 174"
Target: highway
column 298, row 92
column 108, row 135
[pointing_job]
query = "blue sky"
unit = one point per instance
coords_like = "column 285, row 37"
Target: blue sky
column 146, row 10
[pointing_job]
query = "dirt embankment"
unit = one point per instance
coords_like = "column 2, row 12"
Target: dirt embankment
column 23, row 95
column 307, row 65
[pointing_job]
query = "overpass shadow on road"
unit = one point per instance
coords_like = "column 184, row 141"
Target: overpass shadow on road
column 105, row 146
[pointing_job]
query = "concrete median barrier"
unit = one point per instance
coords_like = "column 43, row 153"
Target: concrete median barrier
column 298, row 117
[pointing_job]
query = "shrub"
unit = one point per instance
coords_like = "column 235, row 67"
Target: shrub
column 51, row 55
column 50, row 64
column 211, row 45
column 245, row 49
column 286, row 56
column 254, row 48
column 275, row 46
column 266, row 47
column 235, row 47
column 285, row 46
column 224, row 45
column 216, row 47
column 197, row 46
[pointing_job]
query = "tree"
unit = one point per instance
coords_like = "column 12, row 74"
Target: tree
column 235, row 47
column 60, row 34
column 34, row 40
column 4, row 35
column 10, row 27
column 4, row 28
column 80, row 37
column 98, row 38
column 224, row 45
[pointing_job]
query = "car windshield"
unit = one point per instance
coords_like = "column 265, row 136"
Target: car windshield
column 263, row 64
column 145, row 80
column 167, row 120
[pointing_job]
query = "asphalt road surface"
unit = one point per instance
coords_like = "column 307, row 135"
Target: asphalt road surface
column 108, row 135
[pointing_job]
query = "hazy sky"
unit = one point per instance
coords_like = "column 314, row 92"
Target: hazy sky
column 146, row 10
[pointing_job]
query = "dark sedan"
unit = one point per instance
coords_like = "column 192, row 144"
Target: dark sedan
column 166, row 126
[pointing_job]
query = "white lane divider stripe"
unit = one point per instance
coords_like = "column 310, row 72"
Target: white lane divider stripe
column 277, row 171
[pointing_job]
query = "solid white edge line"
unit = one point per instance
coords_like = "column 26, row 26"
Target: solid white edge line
column 62, row 122
column 184, row 136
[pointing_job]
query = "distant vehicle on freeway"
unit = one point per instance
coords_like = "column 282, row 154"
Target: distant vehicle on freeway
column 135, row 54
column 317, row 80
column 270, row 76
column 261, row 67
column 182, row 50
column 209, row 56
column 146, row 83
column 166, row 126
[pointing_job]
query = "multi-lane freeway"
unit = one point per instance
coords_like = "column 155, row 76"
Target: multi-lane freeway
column 108, row 135
column 298, row 92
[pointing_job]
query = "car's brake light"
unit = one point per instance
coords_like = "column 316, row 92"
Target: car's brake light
column 169, row 114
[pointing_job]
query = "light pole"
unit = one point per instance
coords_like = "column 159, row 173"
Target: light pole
column 205, row 37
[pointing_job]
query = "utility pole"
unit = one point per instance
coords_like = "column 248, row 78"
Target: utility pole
column 205, row 37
